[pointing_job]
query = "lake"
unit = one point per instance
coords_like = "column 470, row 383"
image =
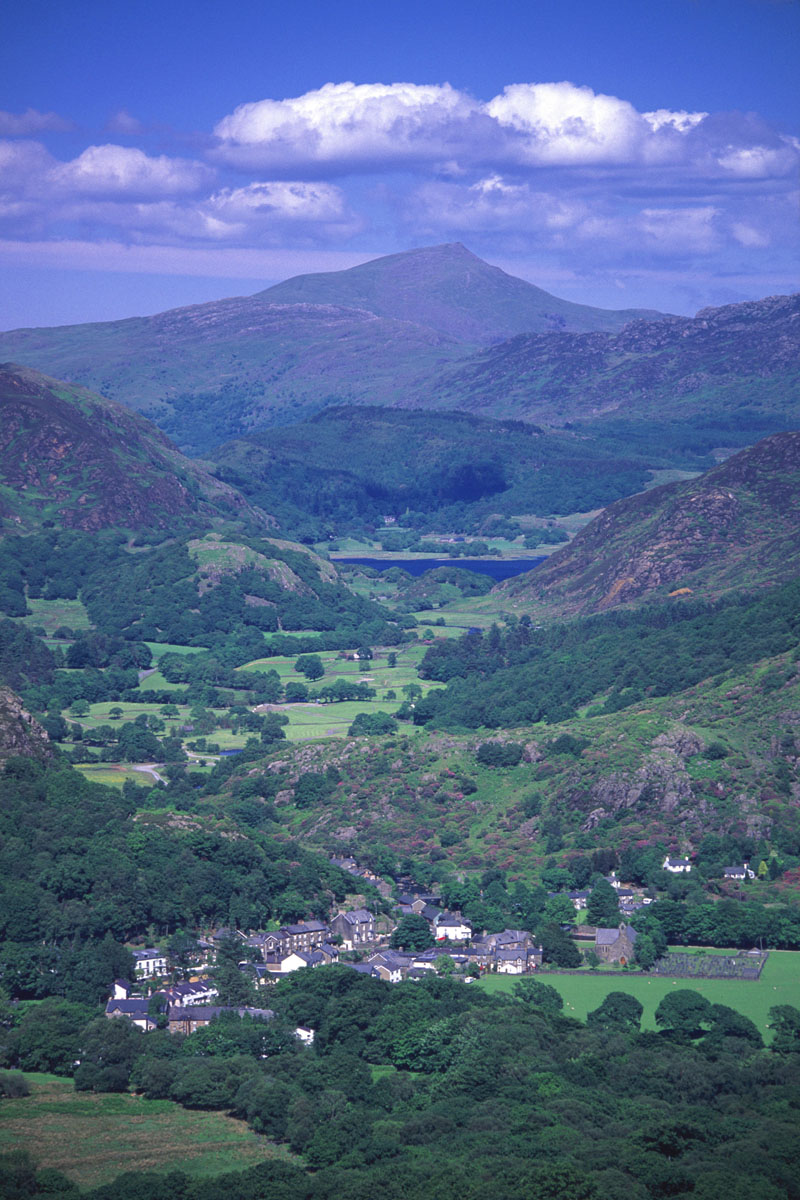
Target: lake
column 496, row 568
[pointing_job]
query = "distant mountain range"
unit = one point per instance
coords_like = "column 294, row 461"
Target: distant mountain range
column 439, row 329
column 740, row 362
column 736, row 527
column 210, row 372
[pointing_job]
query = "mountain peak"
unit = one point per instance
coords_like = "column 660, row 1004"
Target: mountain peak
column 448, row 289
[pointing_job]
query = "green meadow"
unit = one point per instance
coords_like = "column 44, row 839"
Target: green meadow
column 94, row 1138
column 779, row 984
column 51, row 614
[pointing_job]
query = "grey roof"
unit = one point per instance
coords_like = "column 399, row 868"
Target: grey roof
column 136, row 1007
column 304, row 927
column 607, row 937
column 205, row 1012
column 357, row 916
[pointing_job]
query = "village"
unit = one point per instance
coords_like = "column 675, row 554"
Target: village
column 377, row 945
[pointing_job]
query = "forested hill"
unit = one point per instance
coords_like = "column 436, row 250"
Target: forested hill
column 72, row 459
column 435, row 470
column 735, row 527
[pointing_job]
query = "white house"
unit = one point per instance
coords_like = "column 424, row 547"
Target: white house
column 149, row 962
column 676, row 866
column 451, row 927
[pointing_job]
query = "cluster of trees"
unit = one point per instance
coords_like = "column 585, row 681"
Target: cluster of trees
column 518, row 675
column 726, row 923
column 473, row 1092
column 79, row 877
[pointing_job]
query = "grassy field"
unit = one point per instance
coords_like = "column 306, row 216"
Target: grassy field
column 779, row 984
column 114, row 774
column 308, row 721
column 50, row 614
column 93, row 1138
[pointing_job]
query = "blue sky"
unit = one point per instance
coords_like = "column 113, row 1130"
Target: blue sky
column 612, row 151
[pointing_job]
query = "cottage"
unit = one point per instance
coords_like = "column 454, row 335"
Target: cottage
column 740, row 871
column 134, row 1010
column 149, row 962
column 677, row 866
column 301, row 958
column 391, row 965
column 190, row 1017
column 451, row 927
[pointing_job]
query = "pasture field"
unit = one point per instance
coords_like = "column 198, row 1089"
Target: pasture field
column 50, row 614
column 94, row 1138
column 155, row 681
column 779, row 984
column 309, row 721
column 114, row 774
column 159, row 649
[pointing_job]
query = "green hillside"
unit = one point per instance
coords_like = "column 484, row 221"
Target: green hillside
column 737, row 526
column 72, row 459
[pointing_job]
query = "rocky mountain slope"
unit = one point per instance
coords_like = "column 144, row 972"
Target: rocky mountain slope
column 20, row 733
column 719, row 759
column 737, row 526
column 74, row 459
column 737, row 362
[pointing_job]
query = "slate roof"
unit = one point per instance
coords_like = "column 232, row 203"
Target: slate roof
column 607, row 937
column 137, row 1007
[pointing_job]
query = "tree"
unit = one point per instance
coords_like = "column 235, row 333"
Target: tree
column 557, row 948
column 784, row 1019
column 684, row 1011
column 311, row 666
column 603, row 905
column 645, row 953
column 559, row 910
column 391, row 660
column 619, row 1011
column 412, row 933
column 539, row 995
column 108, row 1051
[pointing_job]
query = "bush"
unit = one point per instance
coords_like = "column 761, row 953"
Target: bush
column 499, row 754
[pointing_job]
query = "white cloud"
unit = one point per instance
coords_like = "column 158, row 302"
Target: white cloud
column 284, row 200
column 32, row 121
column 355, row 124
column 681, row 120
column 560, row 124
column 346, row 127
column 125, row 171
column 123, row 122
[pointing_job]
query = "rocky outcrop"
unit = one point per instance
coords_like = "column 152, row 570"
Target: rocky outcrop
column 20, row 733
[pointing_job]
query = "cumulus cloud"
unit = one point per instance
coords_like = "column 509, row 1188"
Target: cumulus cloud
column 126, row 171
column 354, row 125
column 346, row 127
column 32, row 121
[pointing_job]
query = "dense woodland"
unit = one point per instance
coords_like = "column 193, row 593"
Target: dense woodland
column 434, row 1089
column 520, row 675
